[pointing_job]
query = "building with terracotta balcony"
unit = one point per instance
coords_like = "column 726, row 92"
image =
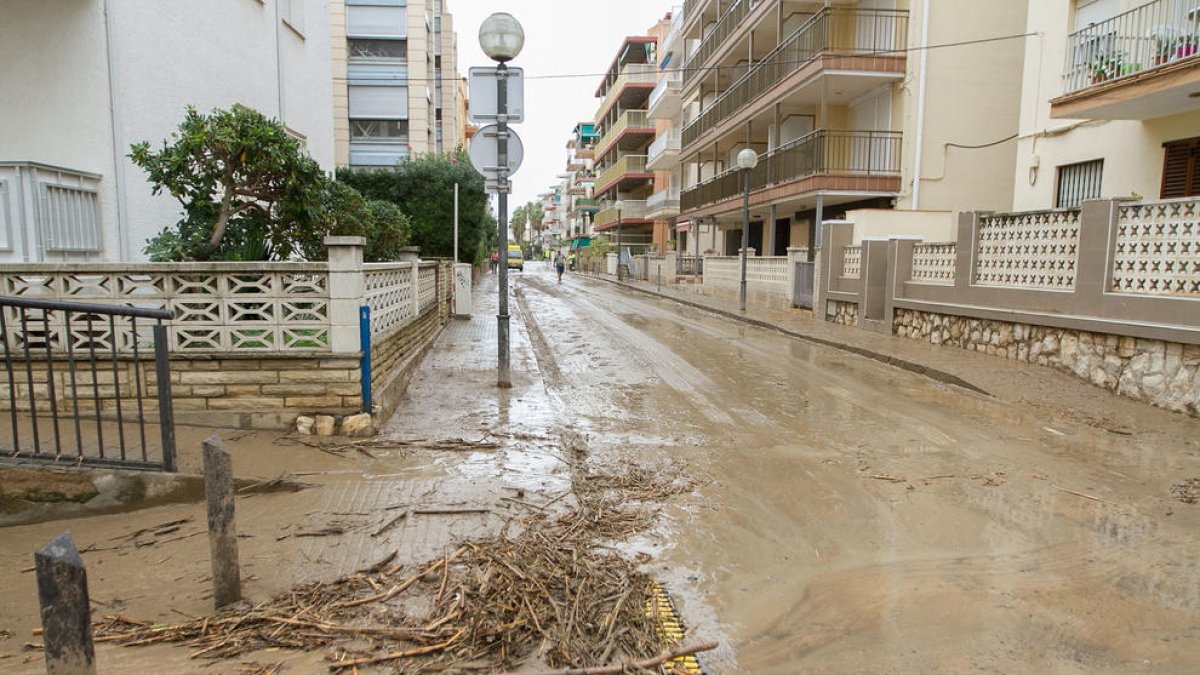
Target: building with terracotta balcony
column 623, row 182
column 1110, row 106
column 867, row 104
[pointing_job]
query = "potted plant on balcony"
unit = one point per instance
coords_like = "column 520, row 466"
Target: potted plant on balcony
column 1109, row 66
column 1186, row 46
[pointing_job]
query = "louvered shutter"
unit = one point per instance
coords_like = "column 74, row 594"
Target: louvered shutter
column 1180, row 169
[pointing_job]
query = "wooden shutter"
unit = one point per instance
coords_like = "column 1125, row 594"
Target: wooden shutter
column 1180, row 177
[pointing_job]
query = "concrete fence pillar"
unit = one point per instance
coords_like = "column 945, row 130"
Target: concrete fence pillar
column 222, row 530
column 66, row 610
column 411, row 254
column 964, row 251
column 347, row 292
column 1097, row 233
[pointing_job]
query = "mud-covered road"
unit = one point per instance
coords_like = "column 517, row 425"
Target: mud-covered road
column 860, row 518
column 850, row 516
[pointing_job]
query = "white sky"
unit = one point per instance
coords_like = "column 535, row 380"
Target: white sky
column 561, row 37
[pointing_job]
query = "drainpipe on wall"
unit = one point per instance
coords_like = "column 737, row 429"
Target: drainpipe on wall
column 279, row 63
column 118, row 138
column 916, row 204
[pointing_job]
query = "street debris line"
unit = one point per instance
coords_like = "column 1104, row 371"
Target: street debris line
column 553, row 595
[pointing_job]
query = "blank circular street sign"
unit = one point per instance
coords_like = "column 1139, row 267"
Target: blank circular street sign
column 485, row 151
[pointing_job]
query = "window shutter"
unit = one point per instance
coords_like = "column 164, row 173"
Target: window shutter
column 1179, row 169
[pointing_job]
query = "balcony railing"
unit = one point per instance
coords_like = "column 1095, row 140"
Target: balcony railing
column 627, row 164
column 631, row 73
column 822, row 152
column 587, row 205
column 729, row 21
column 666, row 142
column 669, row 84
column 842, row 31
column 630, row 119
column 1146, row 37
column 635, row 209
column 663, row 203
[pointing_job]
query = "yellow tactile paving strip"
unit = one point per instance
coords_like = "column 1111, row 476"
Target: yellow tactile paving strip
column 670, row 628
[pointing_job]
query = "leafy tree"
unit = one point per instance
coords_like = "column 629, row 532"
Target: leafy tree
column 345, row 212
column 520, row 218
column 246, row 187
column 423, row 188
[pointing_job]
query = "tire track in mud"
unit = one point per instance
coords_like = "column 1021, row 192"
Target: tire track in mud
column 551, row 374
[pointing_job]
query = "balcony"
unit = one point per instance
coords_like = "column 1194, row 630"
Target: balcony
column 632, row 87
column 729, row 21
column 843, row 40
column 587, row 205
column 1140, row 64
column 664, row 151
column 631, row 131
column 666, row 97
column 628, row 169
column 867, row 161
column 634, row 212
column 663, row 204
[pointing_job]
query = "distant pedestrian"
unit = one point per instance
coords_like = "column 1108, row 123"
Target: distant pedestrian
column 495, row 262
column 560, row 264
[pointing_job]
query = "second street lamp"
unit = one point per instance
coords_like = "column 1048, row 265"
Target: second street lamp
column 747, row 159
column 620, row 206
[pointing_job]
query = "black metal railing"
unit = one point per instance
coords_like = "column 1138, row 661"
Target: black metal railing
column 832, row 30
column 822, row 152
column 78, row 390
column 724, row 27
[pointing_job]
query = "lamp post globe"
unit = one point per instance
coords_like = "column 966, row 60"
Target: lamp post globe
column 747, row 159
column 501, row 37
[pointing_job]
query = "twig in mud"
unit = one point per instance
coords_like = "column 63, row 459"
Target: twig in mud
column 408, row 653
column 282, row 483
column 1077, row 494
column 644, row 664
column 381, row 564
column 888, row 477
column 388, row 525
column 448, row 512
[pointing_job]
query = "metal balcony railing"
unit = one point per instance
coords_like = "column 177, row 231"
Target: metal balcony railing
column 822, row 152
column 1146, row 37
column 631, row 73
column 627, row 164
column 663, row 201
column 630, row 119
column 668, row 141
column 634, row 208
column 832, row 30
column 587, row 205
column 729, row 21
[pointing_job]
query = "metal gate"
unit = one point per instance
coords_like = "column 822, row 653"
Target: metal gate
column 802, row 292
column 78, row 390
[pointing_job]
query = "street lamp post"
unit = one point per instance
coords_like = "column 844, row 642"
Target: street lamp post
column 747, row 159
column 620, row 205
column 501, row 38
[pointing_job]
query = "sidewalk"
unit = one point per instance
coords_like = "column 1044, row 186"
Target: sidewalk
column 1054, row 390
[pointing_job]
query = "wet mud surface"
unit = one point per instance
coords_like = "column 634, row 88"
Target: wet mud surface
column 849, row 516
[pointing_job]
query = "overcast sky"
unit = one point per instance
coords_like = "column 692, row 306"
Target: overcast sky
column 561, row 37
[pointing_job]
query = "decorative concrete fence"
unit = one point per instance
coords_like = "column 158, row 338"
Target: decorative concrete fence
column 1109, row 292
column 255, row 344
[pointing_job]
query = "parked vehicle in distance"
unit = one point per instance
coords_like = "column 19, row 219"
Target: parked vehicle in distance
column 516, row 259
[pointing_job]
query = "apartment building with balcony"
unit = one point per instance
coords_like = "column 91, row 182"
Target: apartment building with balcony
column 396, row 81
column 1110, row 105
column 850, row 106
column 84, row 80
column 579, row 206
column 623, row 182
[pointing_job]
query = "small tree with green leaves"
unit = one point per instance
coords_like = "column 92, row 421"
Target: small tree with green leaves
column 246, row 187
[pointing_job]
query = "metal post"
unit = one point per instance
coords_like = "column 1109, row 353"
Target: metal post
column 696, row 245
column 166, row 409
column 814, row 238
column 364, row 339
column 618, row 244
column 745, row 234
column 503, row 378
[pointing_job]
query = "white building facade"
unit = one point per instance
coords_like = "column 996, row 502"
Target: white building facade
column 86, row 79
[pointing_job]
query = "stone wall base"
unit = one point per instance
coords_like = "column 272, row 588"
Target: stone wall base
column 1163, row 374
column 845, row 313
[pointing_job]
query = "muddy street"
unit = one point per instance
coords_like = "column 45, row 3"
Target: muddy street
column 847, row 516
column 859, row 518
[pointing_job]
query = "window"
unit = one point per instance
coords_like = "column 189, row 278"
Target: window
column 377, row 49
column 1181, row 168
column 376, row 21
column 378, row 102
column 1078, row 182
column 379, row 131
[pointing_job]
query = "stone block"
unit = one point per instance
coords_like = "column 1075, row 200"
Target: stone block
column 357, row 425
column 341, row 363
column 241, row 364
column 311, row 376
column 205, row 390
column 305, row 424
column 190, row 404
column 295, row 364
column 294, row 389
column 314, row 402
column 1191, row 355
column 246, row 403
column 243, row 390
column 196, row 364
column 239, row 377
column 324, row 425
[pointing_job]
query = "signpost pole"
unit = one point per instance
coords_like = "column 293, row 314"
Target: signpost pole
column 503, row 377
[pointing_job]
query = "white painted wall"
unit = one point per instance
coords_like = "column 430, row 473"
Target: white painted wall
column 167, row 55
column 930, row 226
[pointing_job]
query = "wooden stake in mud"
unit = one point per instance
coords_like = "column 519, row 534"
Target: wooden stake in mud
column 222, row 531
column 66, row 611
